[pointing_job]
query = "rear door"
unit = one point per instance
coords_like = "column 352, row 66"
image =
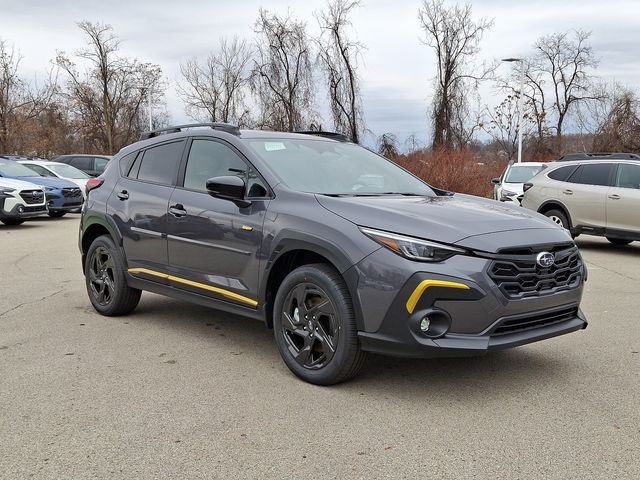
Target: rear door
column 214, row 245
column 139, row 204
column 623, row 199
column 585, row 194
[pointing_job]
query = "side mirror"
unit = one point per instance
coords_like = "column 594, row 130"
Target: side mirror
column 495, row 181
column 230, row 188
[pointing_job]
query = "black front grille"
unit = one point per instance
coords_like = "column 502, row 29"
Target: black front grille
column 518, row 274
column 71, row 192
column 520, row 324
column 31, row 197
column 39, row 208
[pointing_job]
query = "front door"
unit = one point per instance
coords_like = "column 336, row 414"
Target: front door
column 214, row 245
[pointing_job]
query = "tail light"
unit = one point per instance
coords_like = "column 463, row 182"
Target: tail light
column 93, row 184
column 526, row 186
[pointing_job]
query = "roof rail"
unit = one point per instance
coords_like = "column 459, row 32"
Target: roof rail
column 224, row 127
column 599, row 156
column 332, row 135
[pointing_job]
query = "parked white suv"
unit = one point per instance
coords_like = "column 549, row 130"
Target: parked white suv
column 595, row 197
column 20, row 200
column 509, row 186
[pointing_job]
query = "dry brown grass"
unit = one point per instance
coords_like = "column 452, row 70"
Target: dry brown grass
column 454, row 170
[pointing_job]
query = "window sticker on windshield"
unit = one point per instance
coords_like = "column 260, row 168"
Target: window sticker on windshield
column 274, row 146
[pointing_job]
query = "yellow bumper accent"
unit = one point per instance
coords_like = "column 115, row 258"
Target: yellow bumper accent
column 203, row 286
column 423, row 285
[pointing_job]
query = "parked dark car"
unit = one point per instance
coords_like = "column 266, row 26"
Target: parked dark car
column 62, row 195
column 338, row 249
column 92, row 165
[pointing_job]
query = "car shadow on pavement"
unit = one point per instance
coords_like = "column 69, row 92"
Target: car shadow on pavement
column 597, row 245
column 497, row 374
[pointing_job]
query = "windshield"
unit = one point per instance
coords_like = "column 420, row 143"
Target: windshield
column 9, row 168
column 522, row 173
column 332, row 168
column 67, row 171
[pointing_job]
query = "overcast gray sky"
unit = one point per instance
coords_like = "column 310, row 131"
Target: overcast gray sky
column 397, row 69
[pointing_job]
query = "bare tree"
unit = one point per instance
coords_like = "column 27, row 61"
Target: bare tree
column 455, row 37
column 282, row 77
column 338, row 57
column 109, row 95
column 388, row 145
column 215, row 90
column 561, row 67
column 20, row 101
column 501, row 123
column 618, row 121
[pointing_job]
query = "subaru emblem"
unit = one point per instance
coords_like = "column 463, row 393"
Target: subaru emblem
column 545, row 259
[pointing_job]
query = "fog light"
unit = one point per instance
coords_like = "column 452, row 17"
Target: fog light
column 425, row 323
column 20, row 209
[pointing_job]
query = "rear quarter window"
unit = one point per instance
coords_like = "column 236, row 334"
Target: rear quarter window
column 160, row 164
column 562, row 173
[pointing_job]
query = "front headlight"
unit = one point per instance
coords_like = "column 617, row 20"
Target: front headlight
column 509, row 193
column 413, row 248
column 49, row 189
column 7, row 191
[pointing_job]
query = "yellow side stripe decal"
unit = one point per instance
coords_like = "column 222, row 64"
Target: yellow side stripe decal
column 423, row 285
column 203, row 286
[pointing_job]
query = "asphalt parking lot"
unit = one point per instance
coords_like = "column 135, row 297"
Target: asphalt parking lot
column 179, row 391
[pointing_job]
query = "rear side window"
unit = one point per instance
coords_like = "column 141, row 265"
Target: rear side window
column 126, row 163
column 101, row 163
column 628, row 176
column 160, row 164
column 82, row 163
column 593, row 174
column 562, row 173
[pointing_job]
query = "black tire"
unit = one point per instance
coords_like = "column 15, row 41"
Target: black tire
column 559, row 217
column 57, row 214
column 104, row 272
column 315, row 337
column 12, row 221
column 619, row 241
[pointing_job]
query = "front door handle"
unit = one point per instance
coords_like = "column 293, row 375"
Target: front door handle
column 177, row 210
column 123, row 195
column 614, row 196
column 568, row 192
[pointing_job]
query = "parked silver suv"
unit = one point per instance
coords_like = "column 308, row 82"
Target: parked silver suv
column 595, row 197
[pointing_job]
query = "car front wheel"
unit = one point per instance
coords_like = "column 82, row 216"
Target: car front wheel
column 104, row 273
column 314, row 326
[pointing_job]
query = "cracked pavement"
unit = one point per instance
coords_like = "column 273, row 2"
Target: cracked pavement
column 179, row 391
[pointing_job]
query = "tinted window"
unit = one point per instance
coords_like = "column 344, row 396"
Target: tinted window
column 126, row 163
column 83, row 163
column 101, row 163
column 562, row 173
column 628, row 176
column 160, row 164
column 209, row 159
column 592, row 174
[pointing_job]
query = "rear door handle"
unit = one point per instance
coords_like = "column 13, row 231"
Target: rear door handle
column 614, row 196
column 177, row 210
column 568, row 192
column 123, row 195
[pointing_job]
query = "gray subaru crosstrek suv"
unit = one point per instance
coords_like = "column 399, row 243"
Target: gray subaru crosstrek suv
column 337, row 249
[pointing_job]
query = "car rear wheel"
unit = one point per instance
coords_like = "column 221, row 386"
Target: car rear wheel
column 619, row 241
column 314, row 326
column 57, row 214
column 104, row 273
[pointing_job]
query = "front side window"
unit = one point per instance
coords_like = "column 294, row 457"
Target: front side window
column 593, row 174
column 160, row 164
column 334, row 168
column 208, row 159
column 628, row 176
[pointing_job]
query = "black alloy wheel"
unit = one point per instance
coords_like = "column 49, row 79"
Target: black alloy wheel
column 310, row 326
column 101, row 276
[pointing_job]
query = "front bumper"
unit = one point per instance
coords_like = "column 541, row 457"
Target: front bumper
column 11, row 209
column 480, row 317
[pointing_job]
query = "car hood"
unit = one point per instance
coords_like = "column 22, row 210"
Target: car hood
column 48, row 182
column 448, row 219
column 17, row 184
